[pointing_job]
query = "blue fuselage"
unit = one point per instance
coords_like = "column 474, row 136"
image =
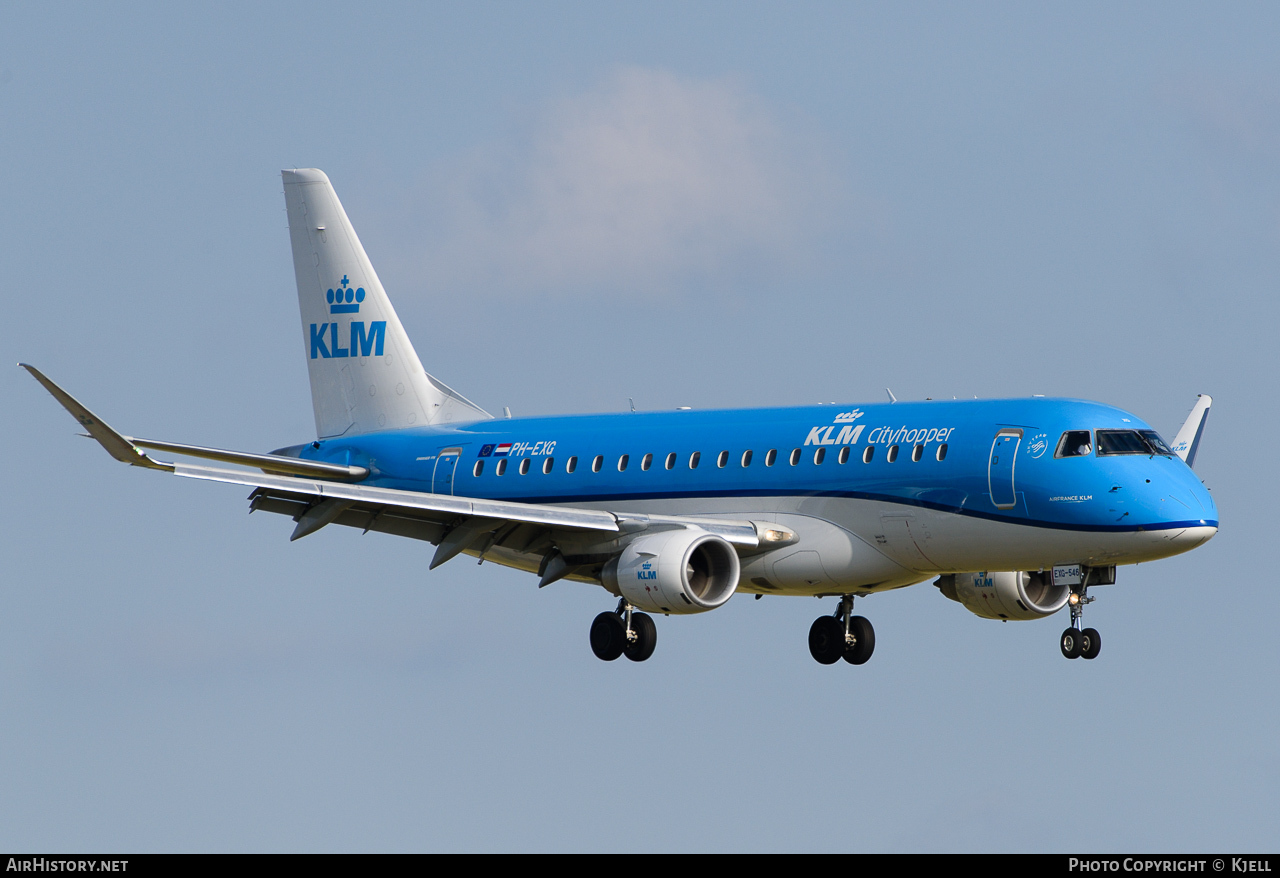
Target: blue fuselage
column 997, row 460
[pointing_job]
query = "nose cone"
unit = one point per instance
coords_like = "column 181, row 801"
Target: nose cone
column 1189, row 503
column 1203, row 499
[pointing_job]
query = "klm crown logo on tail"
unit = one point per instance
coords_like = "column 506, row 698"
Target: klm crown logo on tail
column 345, row 300
column 325, row 343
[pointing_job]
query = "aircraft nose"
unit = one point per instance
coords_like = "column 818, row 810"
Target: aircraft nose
column 1190, row 503
column 1186, row 539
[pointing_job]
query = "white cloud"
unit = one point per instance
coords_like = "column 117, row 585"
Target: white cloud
column 649, row 181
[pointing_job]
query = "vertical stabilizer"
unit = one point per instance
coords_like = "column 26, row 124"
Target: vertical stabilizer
column 365, row 374
column 1187, row 442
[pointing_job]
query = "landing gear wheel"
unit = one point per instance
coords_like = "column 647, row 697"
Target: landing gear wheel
column 1072, row 643
column 826, row 640
column 1090, row 643
column 864, row 641
column 646, row 637
column 608, row 636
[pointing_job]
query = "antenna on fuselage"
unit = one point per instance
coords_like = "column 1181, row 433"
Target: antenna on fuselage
column 506, row 412
column 633, row 404
column 892, row 398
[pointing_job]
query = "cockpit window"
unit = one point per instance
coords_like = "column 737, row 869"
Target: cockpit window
column 1074, row 443
column 1156, row 443
column 1122, row 442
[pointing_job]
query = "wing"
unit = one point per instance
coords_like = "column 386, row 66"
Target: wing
column 553, row 541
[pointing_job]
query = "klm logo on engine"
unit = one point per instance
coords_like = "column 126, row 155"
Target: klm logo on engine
column 327, row 338
column 646, row 571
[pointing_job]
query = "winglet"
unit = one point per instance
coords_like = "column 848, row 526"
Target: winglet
column 1187, row 442
column 116, row 445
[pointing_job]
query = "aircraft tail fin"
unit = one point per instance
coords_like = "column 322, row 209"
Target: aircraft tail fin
column 365, row 374
column 1187, row 442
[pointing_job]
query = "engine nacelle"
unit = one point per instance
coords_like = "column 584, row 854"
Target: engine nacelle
column 1006, row 595
column 675, row 571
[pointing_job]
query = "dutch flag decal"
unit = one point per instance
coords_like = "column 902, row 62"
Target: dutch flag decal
column 502, row 450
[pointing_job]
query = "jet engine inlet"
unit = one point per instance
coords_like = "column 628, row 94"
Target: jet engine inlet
column 677, row 572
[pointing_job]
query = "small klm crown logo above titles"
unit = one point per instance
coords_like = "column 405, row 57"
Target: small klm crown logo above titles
column 343, row 299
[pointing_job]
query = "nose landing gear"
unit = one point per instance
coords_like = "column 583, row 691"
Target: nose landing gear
column 1075, row 642
column 625, row 631
column 842, row 636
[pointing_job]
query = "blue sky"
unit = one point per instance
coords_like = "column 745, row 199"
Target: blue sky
column 572, row 204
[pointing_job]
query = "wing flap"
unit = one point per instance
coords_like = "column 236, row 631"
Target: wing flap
column 435, row 507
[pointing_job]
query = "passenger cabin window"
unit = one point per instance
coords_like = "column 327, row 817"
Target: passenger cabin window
column 893, row 454
column 917, row 453
column 868, row 453
column 795, row 456
column 597, row 463
column 622, row 462
column 819, row 456
column 771, row 458
column 646, row 462
column 671, row 460
column 1074, row 443
column 942, row 451
column 478, row 468
column 571, row 464
column 746, row 458
column 502, row 467
column 722, row 459
column 524, row 466
column 547, row 465
column 695, row 459
column 843, row 456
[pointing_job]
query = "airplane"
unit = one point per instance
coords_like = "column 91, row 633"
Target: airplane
column 1017, row 506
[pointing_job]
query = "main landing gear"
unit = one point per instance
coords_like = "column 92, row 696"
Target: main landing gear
column 842, row 636
column 625, row 631
column 1075, row 642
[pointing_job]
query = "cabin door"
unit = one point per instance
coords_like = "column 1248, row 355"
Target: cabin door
column 1004, row 454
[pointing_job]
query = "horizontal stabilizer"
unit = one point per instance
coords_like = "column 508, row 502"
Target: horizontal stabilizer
column 1187, row 442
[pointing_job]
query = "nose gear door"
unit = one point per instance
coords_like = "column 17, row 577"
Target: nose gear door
column 1004, row 453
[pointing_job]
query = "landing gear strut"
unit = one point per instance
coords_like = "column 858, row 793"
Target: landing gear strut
column 842, row 636
column 1076, row 642
column 625, row 631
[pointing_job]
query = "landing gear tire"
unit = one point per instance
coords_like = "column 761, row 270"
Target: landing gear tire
column 646, row 637
column 1090, row 643
column 1071, row 643
column 609, row 637
column 864, row 641
column 826, row 640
